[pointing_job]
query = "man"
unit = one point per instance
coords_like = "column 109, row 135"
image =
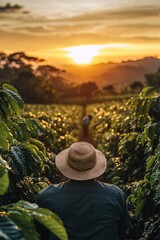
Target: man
column 90, row 210
column 85, row 124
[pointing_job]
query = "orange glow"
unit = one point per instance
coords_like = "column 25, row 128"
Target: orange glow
column 83, row 54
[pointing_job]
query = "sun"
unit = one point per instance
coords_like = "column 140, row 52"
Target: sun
column 83, row 54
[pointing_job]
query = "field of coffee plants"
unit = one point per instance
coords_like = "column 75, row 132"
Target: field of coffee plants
column 127, row 132
column 129, row 135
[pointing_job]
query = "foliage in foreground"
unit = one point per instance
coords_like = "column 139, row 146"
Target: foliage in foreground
column 28, row 145
column 17, row 219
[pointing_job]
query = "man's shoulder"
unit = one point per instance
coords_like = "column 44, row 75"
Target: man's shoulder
column 50, row 189
column 111, row 188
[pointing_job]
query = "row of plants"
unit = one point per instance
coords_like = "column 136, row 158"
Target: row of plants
column 28, row 144
column 129, row 135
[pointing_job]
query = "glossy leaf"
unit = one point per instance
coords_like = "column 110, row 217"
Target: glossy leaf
column 4, row 180
column 23, row 213
column 9, row 231
column 51, row 221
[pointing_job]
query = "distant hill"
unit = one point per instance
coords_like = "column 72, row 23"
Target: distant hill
column 151, row 63
column 123, row 73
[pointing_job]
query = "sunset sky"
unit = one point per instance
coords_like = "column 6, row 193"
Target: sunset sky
column 108, row 30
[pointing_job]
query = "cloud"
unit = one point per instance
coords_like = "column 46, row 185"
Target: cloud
column 133, row 29
column 36, row 33
column 37, row 30
column 54, row 29
column 138, row 26
column 30, row 41
column 123, row 13
column 91, row 21
column 10, row 8
column 140, row 20
column 35, row 41
column 142, row 39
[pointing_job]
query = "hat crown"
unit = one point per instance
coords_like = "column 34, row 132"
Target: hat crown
column 81, row 156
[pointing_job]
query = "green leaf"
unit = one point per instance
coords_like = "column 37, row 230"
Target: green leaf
column 157, row 196
column 31, row 148
column 150, row 162
column 9, row 231
column 5, row 108
column 24, row 221
column 22, row 214
column 157, row 151
column 4, row 163
column 139, row 107
column 4, row 180
column 15, row 101
column 34, row 126
column 17, row 98
column 51, row 221
column 139, row 207
column 10, row 87
column 39, row 144
column 132, row 102
column 146, row 91
column 5, row 134
column 14, row 93
column 143, row 138
column 3, row 236
column 25, row 131
column 33, row 162
column 27, row 205
column 19, row 160
column 36, row 154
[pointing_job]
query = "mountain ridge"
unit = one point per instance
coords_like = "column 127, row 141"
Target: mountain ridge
column 125, row 72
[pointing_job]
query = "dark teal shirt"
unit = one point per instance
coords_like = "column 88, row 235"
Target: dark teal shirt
column 90, row 210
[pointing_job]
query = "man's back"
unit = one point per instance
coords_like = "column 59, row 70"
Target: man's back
column 89, row 209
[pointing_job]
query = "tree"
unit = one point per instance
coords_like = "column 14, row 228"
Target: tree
column 109, row 89
column 153, row 80
column 136, row 86
column 35, row 81
column 87, row 89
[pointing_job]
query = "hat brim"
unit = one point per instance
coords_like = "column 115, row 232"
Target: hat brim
column 67, row 171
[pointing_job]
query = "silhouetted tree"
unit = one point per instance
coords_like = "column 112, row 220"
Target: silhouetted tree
column 71, row 90
column 28, row 85
column 153, row 80
column 109, row 89
column 36, row 82
column 136, row 86
column 87, row 89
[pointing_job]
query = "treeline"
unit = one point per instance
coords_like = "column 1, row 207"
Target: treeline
column 38, row 82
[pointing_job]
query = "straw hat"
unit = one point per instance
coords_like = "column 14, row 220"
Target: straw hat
column 81, row 161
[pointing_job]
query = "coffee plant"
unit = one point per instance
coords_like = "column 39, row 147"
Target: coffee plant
column 129, row 135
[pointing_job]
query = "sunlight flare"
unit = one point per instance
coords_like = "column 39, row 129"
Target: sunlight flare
column 84, row 54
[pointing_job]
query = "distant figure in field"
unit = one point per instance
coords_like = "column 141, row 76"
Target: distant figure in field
column 85, row 124
column 90, row 210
